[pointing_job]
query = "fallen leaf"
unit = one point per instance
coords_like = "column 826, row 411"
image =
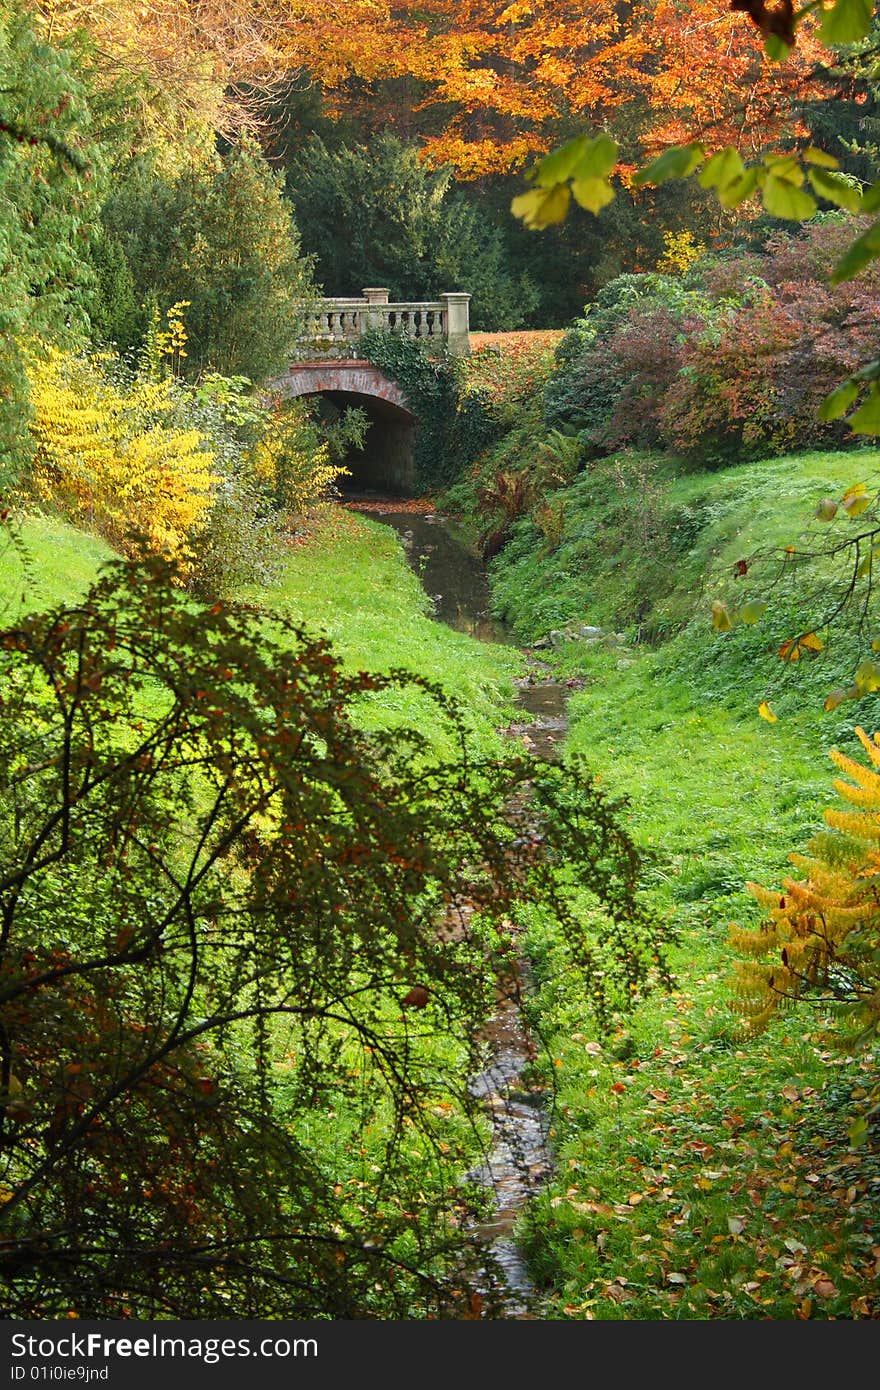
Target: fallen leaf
column 825, row 1288
column 417, row 998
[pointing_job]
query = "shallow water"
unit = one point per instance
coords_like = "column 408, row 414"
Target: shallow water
column 519, row 1160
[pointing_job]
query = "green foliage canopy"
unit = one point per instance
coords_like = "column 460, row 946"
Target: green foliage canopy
column 222, row 239
column 53, row 173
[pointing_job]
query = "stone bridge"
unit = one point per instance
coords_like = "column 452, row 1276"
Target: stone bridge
column 327, row 365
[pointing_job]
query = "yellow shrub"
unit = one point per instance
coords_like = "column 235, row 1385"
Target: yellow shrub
column 106, row 457
column 292, row 463
column 680, row 250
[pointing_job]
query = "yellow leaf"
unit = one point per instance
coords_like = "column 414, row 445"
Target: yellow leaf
column 766, row 712
column 812, row 642
column 542, row 206
column 835, row 698
column 592, row 194
column 856, row 505
column 854, row 490
column 721, row 620
column 867, row 678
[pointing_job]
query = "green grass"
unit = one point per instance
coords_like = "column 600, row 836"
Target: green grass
column 700, row 1174
column 716, row 1179
column 55, row 564
column 351, row 583
column 642, row 548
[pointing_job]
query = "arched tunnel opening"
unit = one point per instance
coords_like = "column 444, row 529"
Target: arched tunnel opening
column 386, row 463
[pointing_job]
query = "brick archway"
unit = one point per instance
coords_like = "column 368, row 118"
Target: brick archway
column 387, row 461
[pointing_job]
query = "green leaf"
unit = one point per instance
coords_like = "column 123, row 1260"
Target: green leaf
column 839, row 401
column 866, row 419
column 557, row 167
column 817, row 156
column 598, row 159
column 784, row 166
column 542, row 206
column 837, row 188
column 870, row 198
column 858, row 1131
column 777, row 49
column 732, row 194
column 752, row 611
column 863, row 251
column 784, row 199
column 849, row 21
column 722, row 169
column 675, row 163
column 592, row 194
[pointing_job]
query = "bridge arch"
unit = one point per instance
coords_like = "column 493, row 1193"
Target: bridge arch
column 387, row 462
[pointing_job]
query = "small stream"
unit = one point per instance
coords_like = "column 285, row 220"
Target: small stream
column 520, row 1160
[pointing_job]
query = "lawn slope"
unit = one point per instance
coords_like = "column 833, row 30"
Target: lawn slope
column 700, row 1174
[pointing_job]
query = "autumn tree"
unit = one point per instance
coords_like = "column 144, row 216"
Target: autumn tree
column 219, row 906
column 817, row 946
column 180, row 67
column 492, row 83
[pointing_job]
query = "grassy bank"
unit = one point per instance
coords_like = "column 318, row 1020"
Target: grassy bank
column 49, row 563
column 700, row 1174
column 348, row 581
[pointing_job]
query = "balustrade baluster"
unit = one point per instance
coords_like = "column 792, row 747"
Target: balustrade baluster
column 332, row 328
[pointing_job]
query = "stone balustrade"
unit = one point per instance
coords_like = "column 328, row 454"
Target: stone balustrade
column 331, row 327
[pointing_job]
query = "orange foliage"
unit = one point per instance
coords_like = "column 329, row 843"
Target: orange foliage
column 486, row 84
column 713, row 82
column 502, row 77
column 511, row 366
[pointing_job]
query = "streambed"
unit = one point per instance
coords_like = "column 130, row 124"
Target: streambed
column 519, row 1160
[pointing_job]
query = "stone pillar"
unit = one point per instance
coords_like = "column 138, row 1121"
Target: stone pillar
column 374, row 296
column 456, row 308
